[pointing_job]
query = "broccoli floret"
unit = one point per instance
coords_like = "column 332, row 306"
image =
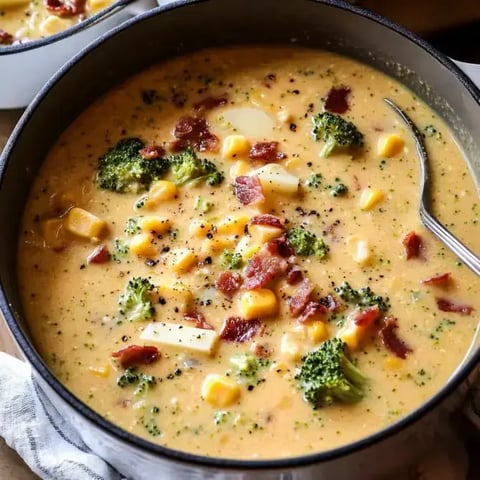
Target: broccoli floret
column 336, row 132
column 128, row 377
column 327, row 376
column 131, row 377
column 187, row 167
column 145, row 383
column 306, row 243
column 364, row 297
column 134, row 304
column 246, row 367
column 203, row 205
column 231, row 260
column 339, row 190
column 122, row 169
column 132, row 227
column 120, row 250
column 431, row 131
column 314, row 180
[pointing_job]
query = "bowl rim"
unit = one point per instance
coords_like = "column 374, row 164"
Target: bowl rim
column 458, row 376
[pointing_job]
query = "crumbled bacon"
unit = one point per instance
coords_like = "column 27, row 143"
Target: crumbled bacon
column 151, row 152
column 261, row 350
column 313, row 311
column 210, row 103
column 298, row 302
column 366, row 316
column 248, row 190
column 337, row 100
column 331, row 303
column 262, row 269
column 448, row 306
column 99, row 255
column 198, row 319
column 229, row 282
column 440, row 280
column 136, row 355
column 194, row 132
column 65, row 9
column 356, row 183
column 280, row 246
column 267, row 151
column 237, row 329
column 412, row 243
column 390, row 340
column 5, row 38
column 267, row 219
column 294, row 274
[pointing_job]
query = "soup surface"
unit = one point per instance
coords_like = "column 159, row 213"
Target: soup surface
column 261, row 206
column 23, row 20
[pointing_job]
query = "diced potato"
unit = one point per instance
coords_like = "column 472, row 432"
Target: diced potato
column 390, row 145
column 239, row 168
column 263, row 233
column 294, row 162
column 52, row 24
column 84, row 224
column 53, row 233
column 142, row 245
column 359, row 249
column 160, row 191
column 151, row 223
column 317, row 332
column 176, row 294
column 199, row 228
column 258, row 303
column 220, row 391
column 370, row 197
column 292, row 344
column 246, row 248
column 103, row 371
column 352, row 334
column 232, row 225
column 235, row 146
column 182, row 259
column 275, row 179
column 211, row 246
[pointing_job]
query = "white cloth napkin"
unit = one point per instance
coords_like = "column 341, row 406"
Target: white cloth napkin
column 54, row 451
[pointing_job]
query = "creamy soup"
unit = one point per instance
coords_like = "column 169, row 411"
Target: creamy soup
column 23, row 20
column 225, row 252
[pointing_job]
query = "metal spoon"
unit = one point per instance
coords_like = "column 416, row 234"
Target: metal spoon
column 457, row 247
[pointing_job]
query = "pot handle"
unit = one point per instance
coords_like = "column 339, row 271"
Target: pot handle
column 471, row 69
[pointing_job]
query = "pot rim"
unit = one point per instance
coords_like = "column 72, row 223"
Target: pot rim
column 458, row 376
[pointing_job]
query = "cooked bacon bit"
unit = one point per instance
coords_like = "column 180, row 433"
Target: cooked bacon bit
column 390, row 340
column 366, row 317
column 194, row 132
column 5, row 38
column 294, row 274
column 262, row 269
column 65, row 9
column 337, row 100
column 248, row 190
column 331, row 303
column 298, row 302
column 260, row 350
column 99, row 255
column 267, row 219
column 151, row 152
column 136, row 355
column 198, row 319
column 447, row 306
column 313, row 311
column 440, row 280
column 280, row 246
column 412, row 243
column 210, row 103
column 267, row 151
column 237, row 329
column 229, row 282
column 356, row 183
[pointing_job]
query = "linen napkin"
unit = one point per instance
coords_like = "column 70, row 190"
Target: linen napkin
column 54, row 451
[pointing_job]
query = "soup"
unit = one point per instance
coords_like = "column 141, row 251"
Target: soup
column 225, row 251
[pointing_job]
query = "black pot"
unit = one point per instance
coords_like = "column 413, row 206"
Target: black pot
column 185, row 26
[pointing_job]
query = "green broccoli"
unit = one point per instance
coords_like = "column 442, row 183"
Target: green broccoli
column 202, row 205
column 364, row 297
column 132, row 227
column 306, row 243
column 145, row 383
column 131, row 377
column 128, row 377
column 327, row 376
column 314, row 180
column 134, row 304
column 246, row 367
column 122, row 169
column 336, row 132
column 187, row 167
column 231, row 260
column 339, row 190
column 120, row 250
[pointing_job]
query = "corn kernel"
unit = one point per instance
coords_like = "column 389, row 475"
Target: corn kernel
column 258, row 303
column 178, row 295
column 96, row 5
column 182, row 259
column 370, row 197
column 53, row 232
column 220, row 391
column 150, row 223
column 160, row 191
column 317, row 332
column 239, row 168
column 359, row 249
column 393, row 363
column 84, row 224
column 390, row 145
column 263, row 233
column 199, row 228
column 215, row 245
column 103, row 371
column 142, row 245
column 352, row 335
column 235, row 146
column 232, row 225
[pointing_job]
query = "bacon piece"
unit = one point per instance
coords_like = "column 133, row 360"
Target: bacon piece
column 440, row 280
column 210, row 103
column 267, row 219
column 356, row 183
column 446, row 305
column 99, row 255
column 366, row 316
column 390, row 340
column 194, row 132
column 267, row 151
column 229, row 282
column 198, row 319
column 262, row 269
column 248, row 190
column 331, row 303
column 337, row 100
column 298, row 302
column 136, row 355
column 412, row 243
column 261, row 350
column 65, row 9
column 280, row 246
column 312, row 311
column 237, row 329
column 151, row 152
column 294, row 274
column 5, row 38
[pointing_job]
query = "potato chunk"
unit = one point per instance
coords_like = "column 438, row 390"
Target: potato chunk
column 182, row 260
column 220, row 391
column 53, row 233
column 84, row 224
column 142, row 245
column 370, row 197
column 235, row 146
column 276, row 179
column 258, row 303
